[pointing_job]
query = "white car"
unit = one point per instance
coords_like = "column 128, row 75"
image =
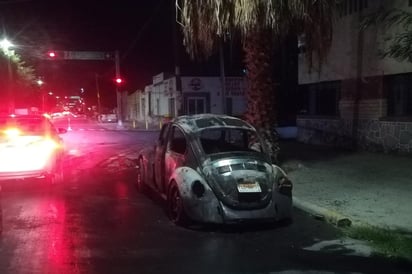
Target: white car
column 30, row 147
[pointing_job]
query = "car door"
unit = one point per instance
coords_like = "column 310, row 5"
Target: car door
column 175, row 152
column 159, row 161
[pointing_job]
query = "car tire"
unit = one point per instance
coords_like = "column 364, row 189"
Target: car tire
column 175, row 207
column 55, row 177
column 140, row 176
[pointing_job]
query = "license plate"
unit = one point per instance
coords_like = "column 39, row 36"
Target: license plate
column 249, row 187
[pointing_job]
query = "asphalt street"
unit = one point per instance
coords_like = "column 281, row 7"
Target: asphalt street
column 96, row 222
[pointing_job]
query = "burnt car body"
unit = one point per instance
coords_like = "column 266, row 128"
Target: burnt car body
column 208, row 170
column 30, row 147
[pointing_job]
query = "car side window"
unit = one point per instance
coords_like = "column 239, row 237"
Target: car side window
column 177, row 141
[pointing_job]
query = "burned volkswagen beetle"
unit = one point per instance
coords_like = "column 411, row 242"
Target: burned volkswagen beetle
column 214, row 169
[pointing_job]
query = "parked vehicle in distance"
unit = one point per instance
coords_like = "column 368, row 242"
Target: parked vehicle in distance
column 108, row 118
column 30, row 147
column 214, row 169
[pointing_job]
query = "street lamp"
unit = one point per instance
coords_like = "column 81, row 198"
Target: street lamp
column 5, row 46
column 99, row 107
column 40, row 83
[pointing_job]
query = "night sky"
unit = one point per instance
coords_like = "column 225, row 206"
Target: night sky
column 140, row 30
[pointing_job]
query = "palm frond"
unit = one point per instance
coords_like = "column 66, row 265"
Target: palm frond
column 388, row 18
column 205, row 22
column 399, row 46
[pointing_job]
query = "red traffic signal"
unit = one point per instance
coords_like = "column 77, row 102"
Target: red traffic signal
column 52, row 54
column 118, row 81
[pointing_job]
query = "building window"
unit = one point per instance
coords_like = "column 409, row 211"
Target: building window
column 229, row 106
column 143, row 107
column 319, row 99
column 157, row 106
column 196, row 105
column 172, row 107
column 399, row 94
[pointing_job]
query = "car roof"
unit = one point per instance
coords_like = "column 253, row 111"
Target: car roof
column 32, row 118
column 26, row 116
column 199, row 122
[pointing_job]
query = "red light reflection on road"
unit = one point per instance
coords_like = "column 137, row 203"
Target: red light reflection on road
column 49, row 244
column 42, row 237
column 58, row 252
column 121, row 190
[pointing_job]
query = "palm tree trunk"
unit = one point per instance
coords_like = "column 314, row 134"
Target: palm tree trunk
column 261, row 98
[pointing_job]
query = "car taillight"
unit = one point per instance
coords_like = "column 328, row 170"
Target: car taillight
column 12, row 132
column 285, row 186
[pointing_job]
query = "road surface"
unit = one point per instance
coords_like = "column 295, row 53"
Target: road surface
column 96, row 222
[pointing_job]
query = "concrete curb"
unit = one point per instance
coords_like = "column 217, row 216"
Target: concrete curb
column 329, row 216
column 341, row 220
column 126, row 127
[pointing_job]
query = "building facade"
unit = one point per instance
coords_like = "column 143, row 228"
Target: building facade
column 168, row 97
column 133, row 106
column 358, row 99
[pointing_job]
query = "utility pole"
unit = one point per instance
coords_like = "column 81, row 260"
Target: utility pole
column 99, row 110
column 118, row 95
column 222, row 76
column 179, row 100
column 10, row 90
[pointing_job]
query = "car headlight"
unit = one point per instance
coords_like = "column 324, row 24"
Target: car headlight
column 198, row 189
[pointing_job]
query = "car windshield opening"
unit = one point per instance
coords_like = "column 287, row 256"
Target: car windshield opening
column 217, row 140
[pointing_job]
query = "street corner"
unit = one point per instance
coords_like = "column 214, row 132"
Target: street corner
column 321, row 213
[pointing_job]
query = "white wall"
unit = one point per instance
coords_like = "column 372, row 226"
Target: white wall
column 342, row 59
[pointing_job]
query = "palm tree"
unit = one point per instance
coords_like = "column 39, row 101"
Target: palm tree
column 205, row 22
column 399, row 46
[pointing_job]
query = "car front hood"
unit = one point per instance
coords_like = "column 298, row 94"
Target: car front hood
column 240, row 182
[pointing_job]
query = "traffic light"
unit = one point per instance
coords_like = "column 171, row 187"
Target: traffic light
column 52, row 54
column 118, row 81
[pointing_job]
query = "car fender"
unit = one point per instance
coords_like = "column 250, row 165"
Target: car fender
column 203, row 207
column 283, row 199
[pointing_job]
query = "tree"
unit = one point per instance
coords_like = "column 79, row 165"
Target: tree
column 399, row 45
column 205, row 22
column 23, row 75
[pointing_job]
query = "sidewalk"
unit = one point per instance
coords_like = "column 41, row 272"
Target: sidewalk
column 345, row 187
column 127, row 125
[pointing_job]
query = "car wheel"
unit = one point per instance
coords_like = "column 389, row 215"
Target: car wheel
column 140, row 176
column 56, row 176
column 175, row 206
